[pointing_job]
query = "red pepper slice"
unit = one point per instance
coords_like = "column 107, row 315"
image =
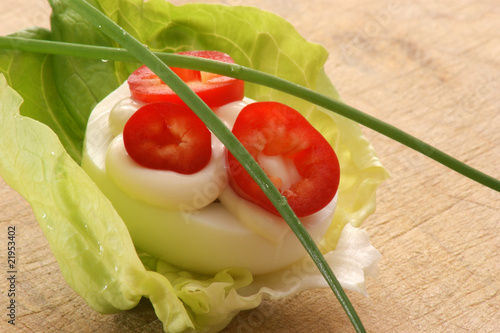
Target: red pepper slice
column 168, row 136
column 215, row 90
column 273, row 129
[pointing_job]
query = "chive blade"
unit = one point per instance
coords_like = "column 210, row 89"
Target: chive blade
column 149, row 59
column 255, row 76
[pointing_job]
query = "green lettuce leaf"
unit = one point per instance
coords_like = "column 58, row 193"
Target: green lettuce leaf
column 88, row 238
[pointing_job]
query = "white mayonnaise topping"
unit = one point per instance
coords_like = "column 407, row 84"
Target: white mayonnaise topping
column 178, row 218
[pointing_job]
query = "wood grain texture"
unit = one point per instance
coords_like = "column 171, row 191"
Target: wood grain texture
column 431, row 69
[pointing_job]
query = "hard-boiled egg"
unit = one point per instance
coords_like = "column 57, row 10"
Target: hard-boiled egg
column 195, row 222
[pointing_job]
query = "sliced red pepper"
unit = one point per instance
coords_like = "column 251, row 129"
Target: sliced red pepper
column 272, row 129
column 215, row 90
column 168, row 136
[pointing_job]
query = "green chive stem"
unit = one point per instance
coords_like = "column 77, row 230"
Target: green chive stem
column 149, row 59
column 254, row 76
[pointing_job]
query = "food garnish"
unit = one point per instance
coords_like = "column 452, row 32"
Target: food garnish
column 168, row 136
column 215, row 90
column 277, row 135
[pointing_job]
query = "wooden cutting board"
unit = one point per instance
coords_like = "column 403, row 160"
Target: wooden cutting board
column 431, row 69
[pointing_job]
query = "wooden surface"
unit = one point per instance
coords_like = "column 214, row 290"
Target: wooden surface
column 430, row 69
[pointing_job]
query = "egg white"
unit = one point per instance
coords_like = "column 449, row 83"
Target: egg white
column 178, row 219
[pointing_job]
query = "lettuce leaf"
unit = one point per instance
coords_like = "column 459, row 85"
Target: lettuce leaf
column 40, row 152
column 88, row 238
